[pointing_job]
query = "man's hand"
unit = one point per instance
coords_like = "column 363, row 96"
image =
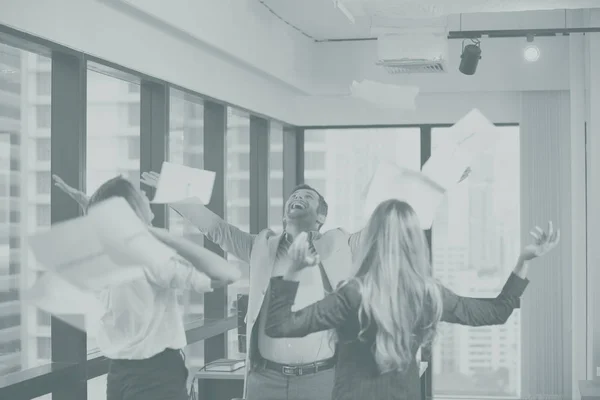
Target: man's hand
column 150, row 178
column 301, row 254
column 544, row 242
column 73, row 193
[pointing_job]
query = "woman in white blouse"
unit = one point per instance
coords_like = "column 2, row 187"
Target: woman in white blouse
column 142, row 331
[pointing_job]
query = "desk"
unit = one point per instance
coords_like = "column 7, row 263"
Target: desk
column 589, row 390
column 220, row 385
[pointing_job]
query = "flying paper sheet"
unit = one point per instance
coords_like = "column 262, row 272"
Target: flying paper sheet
column 58, row 297
column 107, row 247
column 178, row 183
column 473, row 133
column 447, row 165
column 415, row 188
column 385, row 95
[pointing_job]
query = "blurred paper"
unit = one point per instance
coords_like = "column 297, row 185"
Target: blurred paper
column 178, row 183
column 393, row 182
column 423, row 367
column 56, row 296
column 473, row 133
column 107, row 247
column 447, row 165
column 385, row 95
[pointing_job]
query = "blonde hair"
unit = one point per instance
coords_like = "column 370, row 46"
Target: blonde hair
column 401, row 302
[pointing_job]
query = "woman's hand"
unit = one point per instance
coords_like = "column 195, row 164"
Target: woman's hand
column 301, row 254
column 73, row 193
column 150, row 178
column 544, row 242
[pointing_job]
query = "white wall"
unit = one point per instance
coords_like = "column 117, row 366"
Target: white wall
column 259, row 64
column 243, row 29
column 108, row 33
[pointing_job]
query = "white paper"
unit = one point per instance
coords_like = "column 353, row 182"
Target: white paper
column 447, row 165
column 386, row 95
column 473, row 133
column 178, row 183
column 107, row 247
column 423, row 367
column 415, row 188
column 58, row 297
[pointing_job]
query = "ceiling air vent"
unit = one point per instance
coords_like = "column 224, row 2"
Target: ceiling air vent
column 408, row 66
column 424, row 51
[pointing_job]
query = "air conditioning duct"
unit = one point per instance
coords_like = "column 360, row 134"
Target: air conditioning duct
column 412, row 50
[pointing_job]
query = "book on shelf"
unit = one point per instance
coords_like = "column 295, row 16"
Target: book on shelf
column 224, row 365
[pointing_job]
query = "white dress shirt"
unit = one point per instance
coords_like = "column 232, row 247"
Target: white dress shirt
column 144, row 317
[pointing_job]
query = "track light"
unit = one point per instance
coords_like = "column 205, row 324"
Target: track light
column 471, row 54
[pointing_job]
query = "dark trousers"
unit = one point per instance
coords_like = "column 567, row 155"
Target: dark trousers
column 162, row 377
column 264, row 384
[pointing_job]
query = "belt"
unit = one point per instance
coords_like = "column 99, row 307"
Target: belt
column 297, row 370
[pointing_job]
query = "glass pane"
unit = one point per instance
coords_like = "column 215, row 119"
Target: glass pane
column 339, row 163
column 24, row 204
column 476, row 240
column 96, row 388
column 113, row 136
column 194, row 356
column 237, row 196
column 113, row 130
column 276, row 177
column 186, row 141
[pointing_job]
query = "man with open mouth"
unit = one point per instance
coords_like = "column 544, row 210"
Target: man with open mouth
column 287, row 368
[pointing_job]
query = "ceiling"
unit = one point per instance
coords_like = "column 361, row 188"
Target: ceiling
column 322, row 20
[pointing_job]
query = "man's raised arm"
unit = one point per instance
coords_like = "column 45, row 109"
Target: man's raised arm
column 228, row 237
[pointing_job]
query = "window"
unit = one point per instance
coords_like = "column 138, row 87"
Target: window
column 187, row 149
column 276, row 200
column 238, row 211
column 43, row 116
column 43, row 83
column 44, row 348
column 43, row 182
column 133, row 114
column 133, row 145
column 478, row 228
column 110, row 137
column 21, row 177
column 339, row 163
column 133, row 88
column 315, row 160
column 112, row 146
column 42, row 212
column 42, row 146
column 43, row 318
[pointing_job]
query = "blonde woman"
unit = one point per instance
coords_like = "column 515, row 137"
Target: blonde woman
column 391, row 307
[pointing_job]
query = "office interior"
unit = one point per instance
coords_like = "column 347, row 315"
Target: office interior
column 260, row 93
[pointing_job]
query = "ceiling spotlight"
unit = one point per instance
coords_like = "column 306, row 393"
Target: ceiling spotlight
column 531, row 53
column 470, row 57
